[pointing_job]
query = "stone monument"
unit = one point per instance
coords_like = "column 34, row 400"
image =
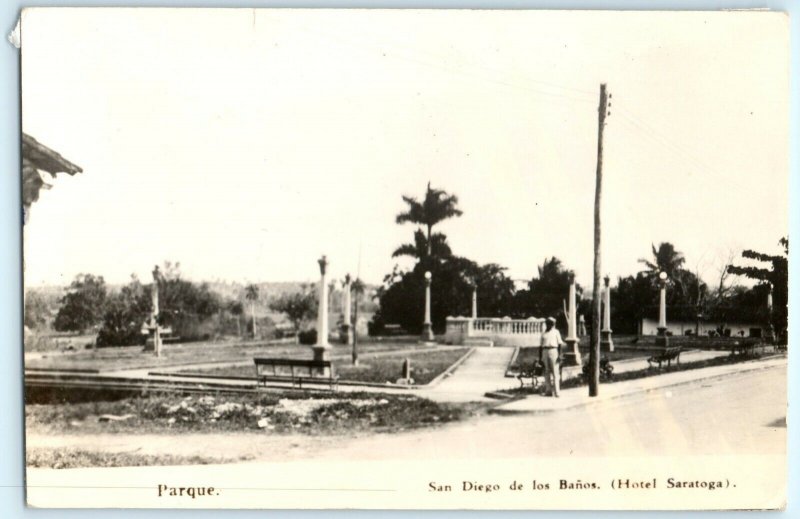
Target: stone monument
column 322, row 348
column 572, row 357
column 154, row 341
column 346, row 330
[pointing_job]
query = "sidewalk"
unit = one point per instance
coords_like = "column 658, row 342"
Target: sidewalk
column 482, row 372
column 577, row 397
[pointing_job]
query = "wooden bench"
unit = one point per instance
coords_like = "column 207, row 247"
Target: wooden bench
column 743, row 348
column 295, row 371
column 668, row 355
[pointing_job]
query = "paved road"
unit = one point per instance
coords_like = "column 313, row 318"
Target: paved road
column 738, row 414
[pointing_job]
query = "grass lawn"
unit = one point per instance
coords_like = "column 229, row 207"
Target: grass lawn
column 425, row 366
column 273, row 413
column 132, row 357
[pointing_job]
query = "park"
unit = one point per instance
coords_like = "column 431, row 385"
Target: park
column 445, row 342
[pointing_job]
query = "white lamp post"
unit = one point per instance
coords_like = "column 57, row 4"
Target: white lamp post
column 661, row 339
column 427, row 330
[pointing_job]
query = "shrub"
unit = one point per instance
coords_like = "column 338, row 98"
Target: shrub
column 307, row 337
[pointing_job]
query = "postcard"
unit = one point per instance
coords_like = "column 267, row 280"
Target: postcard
column 405, row 259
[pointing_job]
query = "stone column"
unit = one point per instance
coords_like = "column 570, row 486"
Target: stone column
column 474, row 301
column 606, row 342
column 662, row 339
column 572, row 357
column 581, row 326
column 322, row 347
column 154, row 328
column 347, row 303
column 427, row 329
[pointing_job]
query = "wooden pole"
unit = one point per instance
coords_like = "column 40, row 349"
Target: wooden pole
column 594, row 351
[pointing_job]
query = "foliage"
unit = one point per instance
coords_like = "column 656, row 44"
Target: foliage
column 775, row 274
column 125, row 313
column 665, row 259
column 436, row 207
column 630, row 298
column 82, row 306
column 419, row 249
column 307, row 337
column 546, row 295
column 299, row 307
column 402, row 298
column 37, row 310
column 185, row 306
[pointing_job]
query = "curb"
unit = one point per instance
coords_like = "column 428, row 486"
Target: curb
column 449, row 371
column 591, row 401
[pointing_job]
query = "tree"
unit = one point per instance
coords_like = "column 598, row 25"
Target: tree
column 437, row 206
column 402, row 295
column 630, row 299
column 82, row 306
column 37, row 310
column 665, row 259
column 236, row 309
column 775, row 274
column 299, row 307
column 251, row 294
column 184, row 306
column 126, row 312
column 546, row 293
column 420, row 249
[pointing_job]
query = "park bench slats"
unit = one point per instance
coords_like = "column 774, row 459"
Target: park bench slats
column 668, row 355
column 295, row 371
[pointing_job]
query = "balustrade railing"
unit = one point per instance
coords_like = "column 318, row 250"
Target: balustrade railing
column 501, row 330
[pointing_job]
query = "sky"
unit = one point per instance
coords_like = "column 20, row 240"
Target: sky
column 245, row 144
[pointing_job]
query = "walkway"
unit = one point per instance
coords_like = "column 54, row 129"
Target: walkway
column 483, row 371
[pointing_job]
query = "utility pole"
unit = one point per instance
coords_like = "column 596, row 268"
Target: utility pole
column 594, row 351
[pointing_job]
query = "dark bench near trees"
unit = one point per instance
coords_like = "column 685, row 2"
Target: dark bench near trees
column 296, row 371
column 667, row 355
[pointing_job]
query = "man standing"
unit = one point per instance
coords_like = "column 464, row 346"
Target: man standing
column 551, row 352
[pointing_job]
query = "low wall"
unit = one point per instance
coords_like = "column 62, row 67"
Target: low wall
column 502, row 331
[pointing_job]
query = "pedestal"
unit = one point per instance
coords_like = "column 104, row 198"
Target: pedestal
column 321, row 353
column 606, row 342
column 572, row 357
column 346, row 334
column 427, row 333
column 153, row 343
column 662, row 339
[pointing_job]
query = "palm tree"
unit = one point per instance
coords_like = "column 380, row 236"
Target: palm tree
column 251, row 294
column 437, row 206
column 665, row 259
column 419, row 249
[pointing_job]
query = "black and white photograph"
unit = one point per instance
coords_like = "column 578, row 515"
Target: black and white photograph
column 405, row 259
